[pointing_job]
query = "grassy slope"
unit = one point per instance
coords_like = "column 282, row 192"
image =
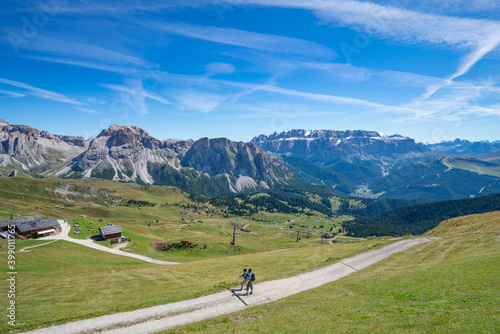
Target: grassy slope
column 449, row 285
column 63, row 282
column 37, row 196
column 473, row 165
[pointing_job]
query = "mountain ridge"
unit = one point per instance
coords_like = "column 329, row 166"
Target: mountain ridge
column 130, row 154
column 357, row 162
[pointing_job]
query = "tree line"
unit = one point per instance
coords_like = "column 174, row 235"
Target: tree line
column 418, row 219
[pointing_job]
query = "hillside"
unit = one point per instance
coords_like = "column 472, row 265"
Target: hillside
column 420, row 218
column 485, row 223
column 135, row 284
column 449, row 285
column 151, row 214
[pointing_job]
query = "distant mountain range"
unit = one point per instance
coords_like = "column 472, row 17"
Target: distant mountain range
column 459, row 146
column 360, row 163
column 327, row 146
column 367, row 164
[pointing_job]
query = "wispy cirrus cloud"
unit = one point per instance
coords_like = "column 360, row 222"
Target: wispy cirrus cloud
column 199, row 101
column 249, row 39
column 87, row 110
column 69, row 52
column 40, row 93
column 251, row 88
column 78, row 50
column 11, row 93
column 392, row 22
column 403, row 25
column 134, row 95
column 219, row 68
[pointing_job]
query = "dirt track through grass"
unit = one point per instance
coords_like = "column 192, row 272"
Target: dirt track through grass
column 163, row 317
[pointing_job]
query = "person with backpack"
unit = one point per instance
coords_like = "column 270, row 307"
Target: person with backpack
column 250, row 281
column 246, row 277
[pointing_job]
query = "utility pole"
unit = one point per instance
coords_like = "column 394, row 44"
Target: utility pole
column 234, row 232
column 298, row 235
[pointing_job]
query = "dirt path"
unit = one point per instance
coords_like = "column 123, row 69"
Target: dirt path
column 64, row 235
column 25, row 249
column 159, row 318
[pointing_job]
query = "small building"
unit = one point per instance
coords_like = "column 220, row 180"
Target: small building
column 38, row 228
column 111, row 234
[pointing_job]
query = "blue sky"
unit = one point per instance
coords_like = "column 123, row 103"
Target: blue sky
column 238, row 68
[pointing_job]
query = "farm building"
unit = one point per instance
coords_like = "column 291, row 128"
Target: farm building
column 38, row 228
column 18, row 221
column 111, row 234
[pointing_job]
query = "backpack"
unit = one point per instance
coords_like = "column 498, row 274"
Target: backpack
column 252, row 277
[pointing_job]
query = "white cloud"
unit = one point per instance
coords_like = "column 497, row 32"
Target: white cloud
column 82, row 51
column 11, row 94
column 391, row 22
column 134, row 95
column 465, row 65
column 250, row 88
column 86, row 110
column 407, row 26
column 456, row 101
column 94, row 100
column 248, row 39
column 219, row 68
column 41, row 93
column 199, row 101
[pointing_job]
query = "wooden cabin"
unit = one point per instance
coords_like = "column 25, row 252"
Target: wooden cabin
column 112, row 234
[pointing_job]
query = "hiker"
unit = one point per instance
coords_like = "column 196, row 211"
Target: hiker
column 250, row 281
column 246, row 277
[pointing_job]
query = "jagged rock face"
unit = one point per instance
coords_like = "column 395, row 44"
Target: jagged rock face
column 126, row 153
column 246, row 162
column 326, row 145
column 122, row 153
column 24, row 147
column 118, row 135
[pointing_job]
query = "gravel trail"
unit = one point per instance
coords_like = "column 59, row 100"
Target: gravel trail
column 159, row 318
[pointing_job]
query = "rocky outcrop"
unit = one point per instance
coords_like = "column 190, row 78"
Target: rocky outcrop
column 122, row 153
column 248, row 164
column 329, row 145
column 26, row 148
column 130, row 154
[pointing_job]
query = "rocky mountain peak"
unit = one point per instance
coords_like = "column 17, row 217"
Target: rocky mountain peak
column 119, row 135
column 3, row 123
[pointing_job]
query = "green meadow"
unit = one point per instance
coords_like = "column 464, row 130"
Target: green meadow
column 78, row 282
column 448, row 285
column 445, row 286
column 151, row 215
column 62, row 281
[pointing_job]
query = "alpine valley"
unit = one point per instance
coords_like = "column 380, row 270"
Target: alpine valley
column 357, row 163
